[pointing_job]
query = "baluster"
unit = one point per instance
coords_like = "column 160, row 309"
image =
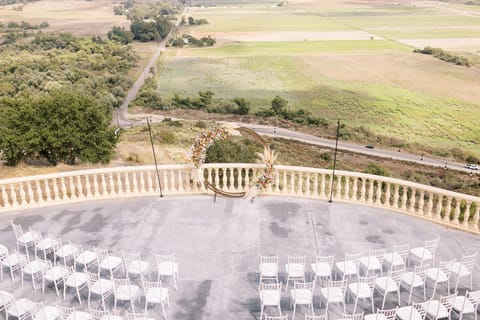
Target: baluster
column 337, row 191
column 322, row 186
column 456, row 212
column 346, row 189
column 127, row 182
column 134, row 182
column 48, row 192
column 181, row 189
column 438, row 208
column 103, row 184
column 307, row 184
column 55, row 189
column 404, row 198
column 150, row 182
column 378, row 195
column 421, row 202
column 246, row 185
column 292, row 182
column 143, row 190
column 31, row 198
column 22, row 196
column 315, row 185
column 39, row 191
column 300, row 183
column 6, row 201
column 285, row 184
column 118, row 176
column 232, row 180
column 387, row 194
column 217, row 178
column 63, row 189
column 396, row 196
column 277, row 181
column 88, row 190
column 79, row 186
column 96, row 192
column 466, row 215
column 354, row 195
column 448, row 209
column 370, row 191
column 111, row 183
column 413, row 200
column 71, row 187
column 363, row 190
column 428, row 212
column 476, row 218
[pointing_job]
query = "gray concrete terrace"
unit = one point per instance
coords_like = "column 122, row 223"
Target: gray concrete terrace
column 217, row 245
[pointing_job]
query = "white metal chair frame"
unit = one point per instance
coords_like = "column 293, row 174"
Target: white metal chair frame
column 445, row 302
column 134, row 265
column 354, row 316
column 295, row 269
column 35, row 270
column 472, row 298
column 133, row 292
column 167, row 267
column 414, row 310
column 55, row 274
column 24, row 239
column 464, row 268
column 334, row 287
column 75, row 280
column 383, row 314
column 353, row 290
column 392, row 278
column 46, row 245
column 301, row 294
column 267, row 263
column 430, row 247
column 154, row 290
column 408, row 279
column 323, row 267
column 398, row 254
column 351, row 260
column 106, row 262
column 270, row 296
column 373, row 261
column 439, row 275
column 99, row 287
column 19, row 261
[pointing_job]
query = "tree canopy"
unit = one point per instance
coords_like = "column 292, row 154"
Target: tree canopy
column 61, row 126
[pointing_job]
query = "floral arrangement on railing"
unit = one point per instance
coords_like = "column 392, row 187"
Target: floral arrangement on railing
column 206, row 139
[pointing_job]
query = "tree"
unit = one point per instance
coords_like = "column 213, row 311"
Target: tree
column 120, row 35
column 279, row 105
column 61, row 127
column 243, row 106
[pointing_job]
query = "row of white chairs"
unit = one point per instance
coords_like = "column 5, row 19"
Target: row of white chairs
column 131, row 264
column 24, row 309
column 338, row 292
column 354, row 265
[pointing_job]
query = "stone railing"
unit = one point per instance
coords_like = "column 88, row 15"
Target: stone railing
column 437, row 205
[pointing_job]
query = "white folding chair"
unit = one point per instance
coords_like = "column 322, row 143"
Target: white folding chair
column 3, row 255
column 26, row 240
column 134, row 265
column 389, row 314
column 109, row 263
column 284, row 317
column 414, row 280
column 362, row 289
column 103, row 315
column 466, row 304
column 439, row 275
column 6, row 300
column 322, row 267
column 42, row 312
column 349, row 267
column 72, row 314
column 270, row 295
column 440, row 309
column 85, row 259
column 14, row 262
column 46, row 245
column 414, row 312
column 99, row 287
column 19, row 308
column 156, row 294
column 138, row 316
column 75, row 280
column 35, row 270
column 397, row 258
column 315, row 317
column 301, row 294
column 389, row 284
column 354, row 316
column 55, row 275
column 125, row 291
column 373, row 262
column 425, row 254
column 295, row 269
column 268, row 268
column 167, row 268
column 463, row 269
column 67, row 253
column 334, row 293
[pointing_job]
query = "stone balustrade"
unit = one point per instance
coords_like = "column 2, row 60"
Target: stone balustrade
column 444, row 207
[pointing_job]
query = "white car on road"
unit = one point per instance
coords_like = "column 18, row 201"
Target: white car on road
column 472, row 166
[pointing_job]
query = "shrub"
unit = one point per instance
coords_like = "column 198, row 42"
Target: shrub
column 172, row 123
column 200, row 124
column 376, row 169
column 230, row 151
column 265, row 113
column 445, row 56
column 166, row 137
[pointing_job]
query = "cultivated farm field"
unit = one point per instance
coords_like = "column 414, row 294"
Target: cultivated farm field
column 348, row 60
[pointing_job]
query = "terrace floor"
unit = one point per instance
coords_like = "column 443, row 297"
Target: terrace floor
column 217, row 245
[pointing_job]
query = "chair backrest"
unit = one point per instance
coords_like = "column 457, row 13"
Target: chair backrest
column 165, row 260
column 446, row 267
column 402, row 250
column 432, row 245
column 389, row 314
column 101, row 254
column 97, row 314
column 297, row 285
column 447, row 301
column 121, row 282
column 314, row 317
column 269, row 259
column 69, row 272
column 3, row 252
column 65, row 312
column 301, row 260
column 420, row 270
column 150, row 285
column 370, row 280
column 32, row 313
column 130, row 256
column 277, row 287
column 36, row 235
column 284, row 317
column 473, row 297
column 469, row 260
column 17, row 229
column 377, row 253
column 325, row 259
column 356, row 316
column 92, row 278
column 353, row 257
column 138, row 315
column 396, row 275
column 421, row 309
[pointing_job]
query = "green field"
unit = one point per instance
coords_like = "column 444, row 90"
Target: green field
column 393, row 103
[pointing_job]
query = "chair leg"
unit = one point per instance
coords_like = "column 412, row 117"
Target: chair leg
column 261, row 311
column 384, row 298
column 163, row 310
column 373, row 306
column 294, row 309
column 146, row 304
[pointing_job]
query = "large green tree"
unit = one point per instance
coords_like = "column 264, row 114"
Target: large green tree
column 62, row 126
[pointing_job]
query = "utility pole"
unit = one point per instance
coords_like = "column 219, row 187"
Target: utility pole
column 154, row 157
column 334, row 161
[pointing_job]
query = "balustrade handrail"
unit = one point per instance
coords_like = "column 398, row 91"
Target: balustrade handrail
column 449, row 208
